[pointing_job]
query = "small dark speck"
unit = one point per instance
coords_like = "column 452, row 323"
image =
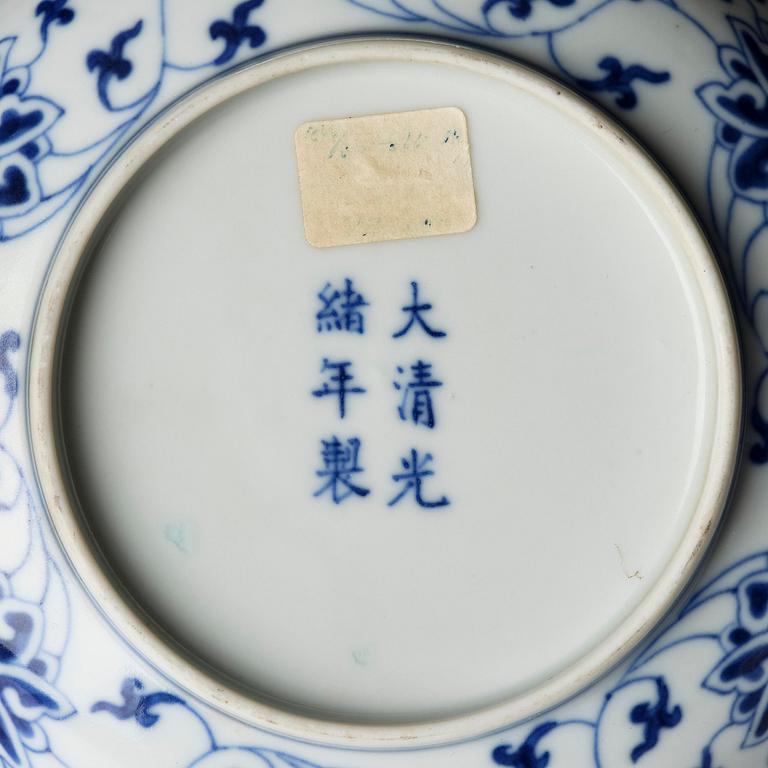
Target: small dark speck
column 391, row 146
column 364, row 234
column 427, row 223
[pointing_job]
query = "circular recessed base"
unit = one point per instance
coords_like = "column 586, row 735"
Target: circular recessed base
column 585, row 401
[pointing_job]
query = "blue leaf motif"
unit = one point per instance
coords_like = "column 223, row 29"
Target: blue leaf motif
column 654, row 718
column 53, row 11
column 15, row 80
column 750, row 165
column 757, row 596
column 755, row 50
column 14, row 189
column 758, row 452
column 34, row 698
column 744, row 671
column 620, row 80
column 9, row 342
column 19, row 187
column 238, row 31
column 11, row 749
column 34, row 693
column 112, row 63
column 145, row 716
column 738, row 105
column 23, row 120
column 20, row 634
column 13, row 124
column 137, row 705
column 752, row 596
column 26, row 201
column 526, row 755
column 37, row 149
column 521, row 9
column 27, row 692
column 741, row 107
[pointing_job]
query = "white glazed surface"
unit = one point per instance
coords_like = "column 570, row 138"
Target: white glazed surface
column 395, row 595
column 587, row 731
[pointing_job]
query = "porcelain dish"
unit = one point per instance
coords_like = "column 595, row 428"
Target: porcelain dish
column 462, row 486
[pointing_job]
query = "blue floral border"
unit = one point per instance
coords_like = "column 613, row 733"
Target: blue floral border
column 26, row 118
column 31, row 586
column 646, row 703
column 652, row 704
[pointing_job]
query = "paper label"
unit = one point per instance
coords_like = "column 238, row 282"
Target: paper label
column 385, row 177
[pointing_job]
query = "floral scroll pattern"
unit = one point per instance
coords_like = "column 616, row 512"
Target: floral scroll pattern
column 656, row 709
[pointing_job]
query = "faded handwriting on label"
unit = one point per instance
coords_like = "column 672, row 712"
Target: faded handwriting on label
column 385, row 177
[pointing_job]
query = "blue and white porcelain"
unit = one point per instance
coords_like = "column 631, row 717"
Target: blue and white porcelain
column 472, row 499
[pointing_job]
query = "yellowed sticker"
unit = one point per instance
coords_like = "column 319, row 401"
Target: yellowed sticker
column 385, row 177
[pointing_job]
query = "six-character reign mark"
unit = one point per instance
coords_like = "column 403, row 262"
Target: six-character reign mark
column 341, row 310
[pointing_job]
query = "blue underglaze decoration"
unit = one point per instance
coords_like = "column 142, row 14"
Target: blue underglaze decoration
column 238, row 31
column 526, row 755
column 341, row 461
column 743, row 668
column 28, row 666
column 26, row 119
column 739, row 161
column 654, row 717
column 140, row 707
column 758, row 452
column 338, row 383
column 13, row 187
column 415, row 312
column 136, row 704
column 53, row 12
column 10, row 341
column 13, row 124
column 647, row 702
column 416, row 469
column 741, row 107
column 619, row 79
column 341, row 309
column 112, row 63
column 639, row 701
column 521, row 9
column 643, row 701
column 416, row 402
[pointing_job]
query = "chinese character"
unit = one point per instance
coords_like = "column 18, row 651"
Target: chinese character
column 413, row 477
column 341, row 309
column 415, row 309
column 416, row 404
column 339, row 380
column 340, row 462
